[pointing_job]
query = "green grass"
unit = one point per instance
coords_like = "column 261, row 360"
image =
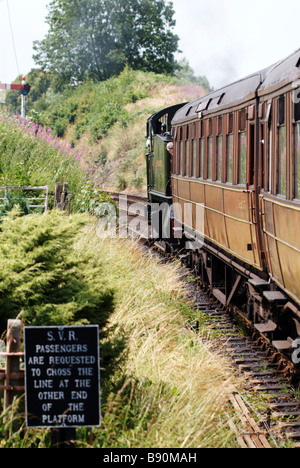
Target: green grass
column 29, row 155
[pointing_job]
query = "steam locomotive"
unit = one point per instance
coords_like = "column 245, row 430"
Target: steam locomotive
column 234, row 156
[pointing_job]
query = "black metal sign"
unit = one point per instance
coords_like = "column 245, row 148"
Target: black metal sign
column 62, row 376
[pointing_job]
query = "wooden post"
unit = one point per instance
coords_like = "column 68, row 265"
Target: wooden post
column 12, row 362
column 63, row 437
column 62, row 198
column 2, row 371
column 57, row 195
column 69, row 203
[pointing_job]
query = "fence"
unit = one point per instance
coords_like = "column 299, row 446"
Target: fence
column 62, row 198
column 27, row 199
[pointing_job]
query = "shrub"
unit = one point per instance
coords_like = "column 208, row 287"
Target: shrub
column 42, row 274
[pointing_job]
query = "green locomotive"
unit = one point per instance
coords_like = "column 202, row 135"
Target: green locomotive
column 158, row 157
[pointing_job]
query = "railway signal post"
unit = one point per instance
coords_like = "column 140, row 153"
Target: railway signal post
column 24, row 88
column 23, row 100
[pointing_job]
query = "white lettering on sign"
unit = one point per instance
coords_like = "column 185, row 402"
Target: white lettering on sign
column 62, row 377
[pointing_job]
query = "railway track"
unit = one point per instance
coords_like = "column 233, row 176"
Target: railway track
column 268, row 409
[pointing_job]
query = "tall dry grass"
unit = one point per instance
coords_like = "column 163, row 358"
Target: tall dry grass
column 170, row 388
column 175, row 389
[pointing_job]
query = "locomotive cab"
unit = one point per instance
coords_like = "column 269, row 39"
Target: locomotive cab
column 158, row 158
column 159, row 164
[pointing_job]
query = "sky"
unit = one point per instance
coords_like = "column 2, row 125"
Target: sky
column 223, row 40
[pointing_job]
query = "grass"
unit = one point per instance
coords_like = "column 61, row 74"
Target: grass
column 173, row 388
column 31, row 155
column 167, row 388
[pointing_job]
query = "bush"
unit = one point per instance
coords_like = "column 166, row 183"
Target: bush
column 42, row 274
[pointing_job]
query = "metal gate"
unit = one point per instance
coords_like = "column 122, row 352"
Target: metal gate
column 44, row 200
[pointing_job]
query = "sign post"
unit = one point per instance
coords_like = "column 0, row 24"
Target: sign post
column 23, row 107
column 62, row 377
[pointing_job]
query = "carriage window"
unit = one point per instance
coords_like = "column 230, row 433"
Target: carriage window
column 281, row 183
column 229, row 149
column 296, row 101
column 194, row 149
column 178, row 149
column 297, row 160
column 177, row 159
column 209, row 157
column 281, row 110
column 219, row 157
column 242, row 148
column 180, row 159
column 230, row 158
column 270, row 159
column 230, row 123
column 201, row 157
column 243, row 158
column 281, row 188
column 187, row 158
column 296, row 119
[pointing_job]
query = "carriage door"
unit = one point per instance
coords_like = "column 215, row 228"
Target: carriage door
column 256, row 169
column 251, row 154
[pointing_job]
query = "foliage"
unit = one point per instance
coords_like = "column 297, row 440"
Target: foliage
column 91, row 200
column 41, row 274
column 11, row 201
column 163, row 386
column 98, row 127
column 95, row 108
column 94, row 39
column 30, row 156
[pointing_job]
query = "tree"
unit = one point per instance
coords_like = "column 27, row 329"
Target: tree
column 185, row 73
column 94, row 39
column 144, row 34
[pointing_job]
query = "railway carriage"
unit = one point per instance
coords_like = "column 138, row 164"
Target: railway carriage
column 237, row 156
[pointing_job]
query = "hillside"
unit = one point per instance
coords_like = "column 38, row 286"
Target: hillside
column 105, row 122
